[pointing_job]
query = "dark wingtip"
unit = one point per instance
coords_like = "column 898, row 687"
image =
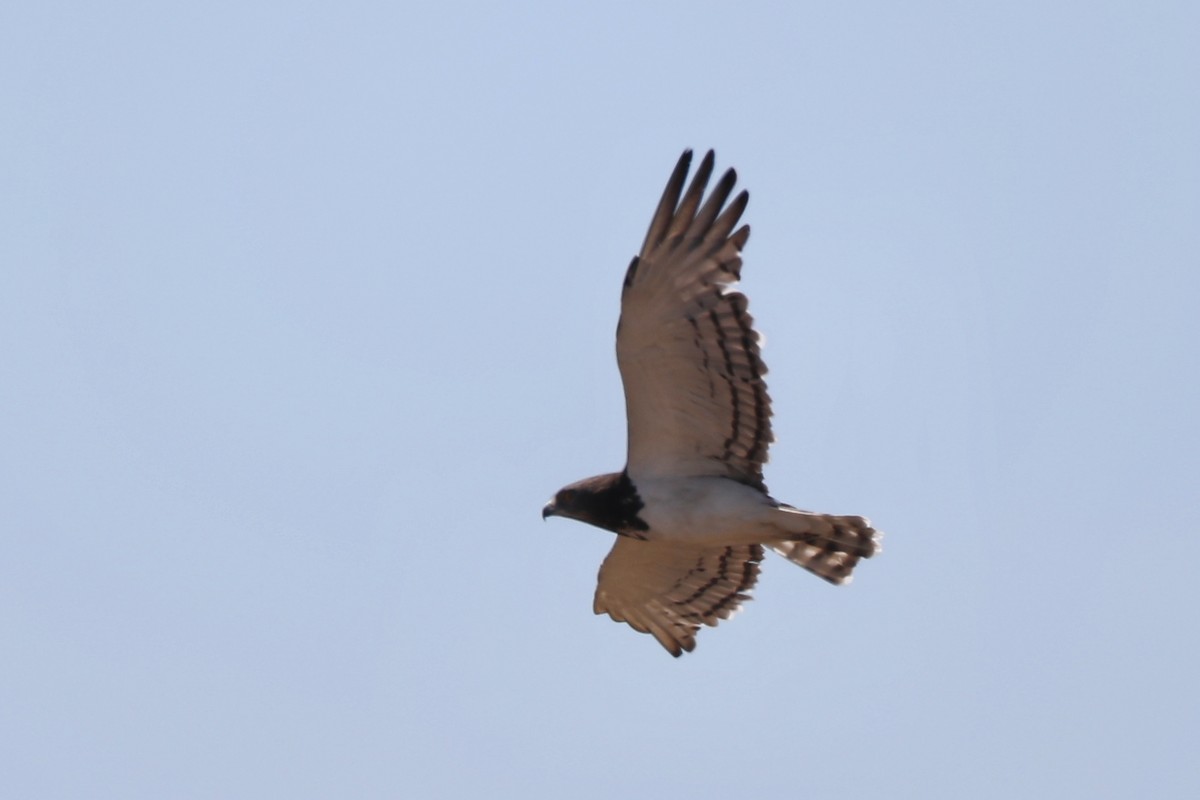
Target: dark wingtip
column 631, row 272
column 667, row 203
column 685, row 160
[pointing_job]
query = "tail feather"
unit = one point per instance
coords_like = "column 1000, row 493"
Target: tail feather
column 828, row 546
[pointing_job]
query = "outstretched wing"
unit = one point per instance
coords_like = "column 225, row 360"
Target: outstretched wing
column 695, row 397
column 670, row 590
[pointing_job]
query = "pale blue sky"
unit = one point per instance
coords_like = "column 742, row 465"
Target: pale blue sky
column 306, row 310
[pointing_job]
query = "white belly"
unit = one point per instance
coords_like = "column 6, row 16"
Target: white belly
column 708, row 509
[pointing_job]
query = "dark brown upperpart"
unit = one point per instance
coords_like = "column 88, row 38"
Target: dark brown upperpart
column 607, row 501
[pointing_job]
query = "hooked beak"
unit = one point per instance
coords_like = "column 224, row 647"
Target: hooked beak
column 549, row 510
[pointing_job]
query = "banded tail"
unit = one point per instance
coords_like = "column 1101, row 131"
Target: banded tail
column 827, row 546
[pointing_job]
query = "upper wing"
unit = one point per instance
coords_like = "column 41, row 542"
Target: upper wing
column 669, row 590
column 695, row 397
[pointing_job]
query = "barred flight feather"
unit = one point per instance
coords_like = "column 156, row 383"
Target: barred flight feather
column 669, row 590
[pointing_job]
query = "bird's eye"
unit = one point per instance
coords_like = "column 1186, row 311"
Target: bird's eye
column 566, row 496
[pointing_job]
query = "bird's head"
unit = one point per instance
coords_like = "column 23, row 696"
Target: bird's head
column 566, row 503
column 606, row 501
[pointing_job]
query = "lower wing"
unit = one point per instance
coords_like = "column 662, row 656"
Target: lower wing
column 669, row 590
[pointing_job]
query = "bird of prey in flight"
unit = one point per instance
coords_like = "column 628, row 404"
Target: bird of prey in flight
column 690, row 509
